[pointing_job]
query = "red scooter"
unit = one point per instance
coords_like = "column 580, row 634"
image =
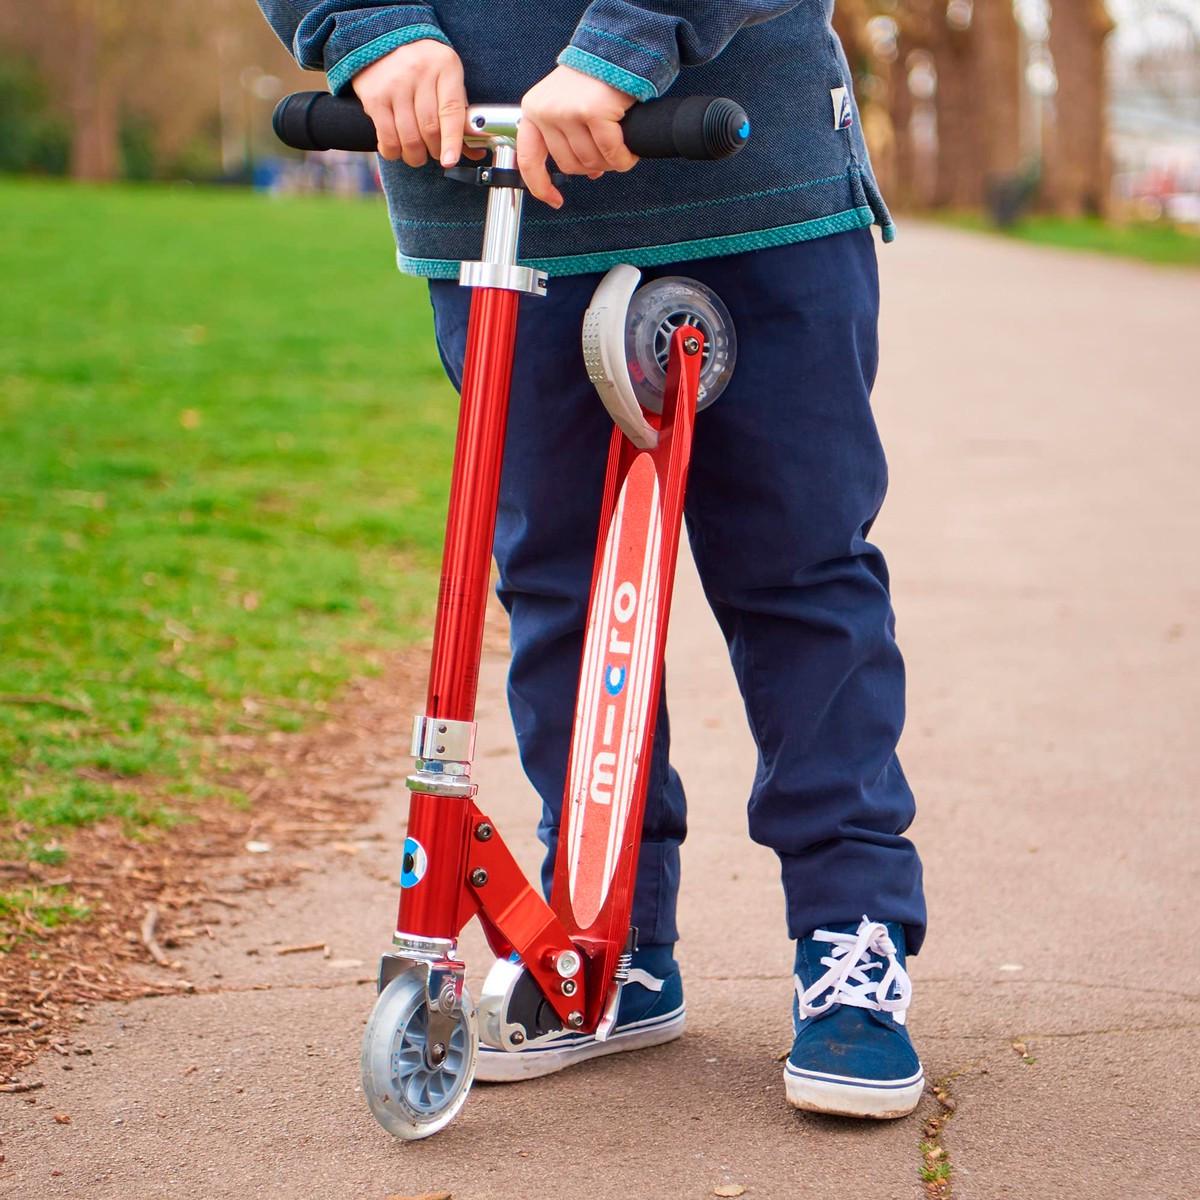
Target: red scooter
column 657, row 354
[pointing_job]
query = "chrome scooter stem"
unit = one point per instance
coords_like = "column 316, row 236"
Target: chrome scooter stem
column 494, row 127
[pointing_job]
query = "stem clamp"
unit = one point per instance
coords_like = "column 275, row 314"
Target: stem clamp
column 511, row 277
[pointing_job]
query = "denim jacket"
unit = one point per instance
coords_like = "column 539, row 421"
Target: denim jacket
column 803, row 174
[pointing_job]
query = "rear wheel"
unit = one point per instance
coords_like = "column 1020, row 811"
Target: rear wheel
column 656, row 310
column 415, row 1080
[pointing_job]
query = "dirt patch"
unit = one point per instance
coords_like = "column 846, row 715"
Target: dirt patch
column 148, row 895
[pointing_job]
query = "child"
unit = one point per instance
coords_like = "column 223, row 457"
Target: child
column 787, row 471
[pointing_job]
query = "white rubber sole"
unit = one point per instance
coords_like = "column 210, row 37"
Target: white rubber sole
column 511, row 1066
column 842, row 1096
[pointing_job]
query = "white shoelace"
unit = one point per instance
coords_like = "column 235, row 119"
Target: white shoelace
column 848, row 979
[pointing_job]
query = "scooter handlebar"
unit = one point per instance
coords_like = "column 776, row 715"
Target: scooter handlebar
column 696, row 127
column 693, row 127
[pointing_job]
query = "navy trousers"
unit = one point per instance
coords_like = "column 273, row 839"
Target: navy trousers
column 786, row 479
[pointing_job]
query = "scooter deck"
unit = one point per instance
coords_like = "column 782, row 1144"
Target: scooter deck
column 621, row 677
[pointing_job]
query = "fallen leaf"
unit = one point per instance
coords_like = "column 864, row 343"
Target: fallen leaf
column 729, row 1189
column 61, row 1119
column 1020, row 1048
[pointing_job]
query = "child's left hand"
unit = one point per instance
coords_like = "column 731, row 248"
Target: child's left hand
column 576, row 120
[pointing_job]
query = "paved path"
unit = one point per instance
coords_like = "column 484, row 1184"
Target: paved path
column 1040, row 411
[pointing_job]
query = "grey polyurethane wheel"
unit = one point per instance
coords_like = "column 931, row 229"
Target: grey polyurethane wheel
column 407, row 1095
column 656, row 310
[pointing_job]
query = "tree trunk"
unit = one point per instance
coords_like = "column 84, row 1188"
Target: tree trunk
column 997, row 45
column 95, row 148
column 900, row 106
column 1078, row 169
column 960, row 150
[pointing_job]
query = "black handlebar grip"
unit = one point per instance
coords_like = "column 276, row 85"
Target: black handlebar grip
column 695, row 127
column 319, row 121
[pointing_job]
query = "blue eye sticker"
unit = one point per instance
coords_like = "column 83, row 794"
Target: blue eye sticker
column 413, row 867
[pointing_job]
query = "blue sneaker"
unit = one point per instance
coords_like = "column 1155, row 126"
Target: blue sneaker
column 852, row 1055
column 650, row 1012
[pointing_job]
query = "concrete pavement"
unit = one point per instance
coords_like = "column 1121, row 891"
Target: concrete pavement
column 1040, row 413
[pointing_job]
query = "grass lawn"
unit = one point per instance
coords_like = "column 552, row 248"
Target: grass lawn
column 1150, row 243
column 225, row 446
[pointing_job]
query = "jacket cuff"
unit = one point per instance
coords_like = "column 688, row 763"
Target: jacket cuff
column 626, row 46
column 342, row 37
column 340, row 74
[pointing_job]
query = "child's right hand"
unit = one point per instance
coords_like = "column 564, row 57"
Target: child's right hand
column 417, row 99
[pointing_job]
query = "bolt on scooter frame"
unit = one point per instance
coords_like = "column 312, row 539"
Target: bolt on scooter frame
column 460, row 866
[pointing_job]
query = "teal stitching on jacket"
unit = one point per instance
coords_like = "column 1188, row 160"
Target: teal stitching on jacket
column 340, row 74
column 616, row 37
column 413, row 223
column 600, row 68
column 651, row 256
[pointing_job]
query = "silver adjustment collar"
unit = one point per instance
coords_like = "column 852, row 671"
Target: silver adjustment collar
column 438, row 783
column 509, row 277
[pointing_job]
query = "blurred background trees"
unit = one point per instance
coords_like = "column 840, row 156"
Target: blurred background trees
column 140, row 88
column 1007, row 103
column 966, row 104
column 978, row 97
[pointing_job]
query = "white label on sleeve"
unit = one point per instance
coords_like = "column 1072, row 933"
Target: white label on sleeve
column 843, row 111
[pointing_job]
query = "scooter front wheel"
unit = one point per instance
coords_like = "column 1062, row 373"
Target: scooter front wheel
column 415, row 1086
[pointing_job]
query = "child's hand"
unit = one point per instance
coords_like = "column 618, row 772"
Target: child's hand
column 417, row 99
column 576, row 120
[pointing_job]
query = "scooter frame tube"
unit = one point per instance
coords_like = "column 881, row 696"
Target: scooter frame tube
column 445, row 828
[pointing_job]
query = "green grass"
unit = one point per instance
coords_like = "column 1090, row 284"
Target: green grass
column 1155, row 243
column 224, row 446
column 935, row 1169
column 28, row 912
